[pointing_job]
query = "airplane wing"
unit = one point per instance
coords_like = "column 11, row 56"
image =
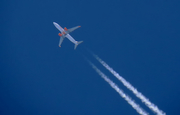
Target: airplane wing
column 58, row 27
column 61, row 40
column 72, row 29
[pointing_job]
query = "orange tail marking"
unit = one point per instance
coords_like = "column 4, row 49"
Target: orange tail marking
column 60, row 34
column 65, row 29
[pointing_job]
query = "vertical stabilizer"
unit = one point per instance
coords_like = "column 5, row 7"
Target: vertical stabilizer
column 77, row 44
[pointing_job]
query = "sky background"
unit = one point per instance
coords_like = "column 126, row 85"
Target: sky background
column 138, row 39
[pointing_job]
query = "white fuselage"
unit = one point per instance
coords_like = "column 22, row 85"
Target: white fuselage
column 65, row 34
column 71, row 38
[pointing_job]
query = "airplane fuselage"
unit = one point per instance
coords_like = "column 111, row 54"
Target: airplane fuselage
column 65, row 34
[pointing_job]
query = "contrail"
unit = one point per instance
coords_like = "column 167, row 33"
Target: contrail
column 151, row 106
column 121, row 93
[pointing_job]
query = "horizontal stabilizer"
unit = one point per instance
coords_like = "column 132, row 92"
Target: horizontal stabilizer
column 77, row 44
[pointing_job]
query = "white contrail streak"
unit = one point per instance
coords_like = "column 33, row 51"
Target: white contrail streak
column 151, row 106
column 121, row 93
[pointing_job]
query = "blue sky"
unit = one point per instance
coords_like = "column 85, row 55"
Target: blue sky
column 138, row 39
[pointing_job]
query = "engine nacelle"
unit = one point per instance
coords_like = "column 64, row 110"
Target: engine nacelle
column 65, row 29
column 60, row 34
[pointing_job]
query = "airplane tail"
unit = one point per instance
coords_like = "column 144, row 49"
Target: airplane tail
column 77, row 44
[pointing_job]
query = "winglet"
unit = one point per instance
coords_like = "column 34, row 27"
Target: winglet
column 59, row 46
column 79, row 26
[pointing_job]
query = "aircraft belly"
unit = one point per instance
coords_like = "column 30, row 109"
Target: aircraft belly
column 71, row 38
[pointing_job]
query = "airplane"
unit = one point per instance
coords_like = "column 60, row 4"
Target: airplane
column 65, row 33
